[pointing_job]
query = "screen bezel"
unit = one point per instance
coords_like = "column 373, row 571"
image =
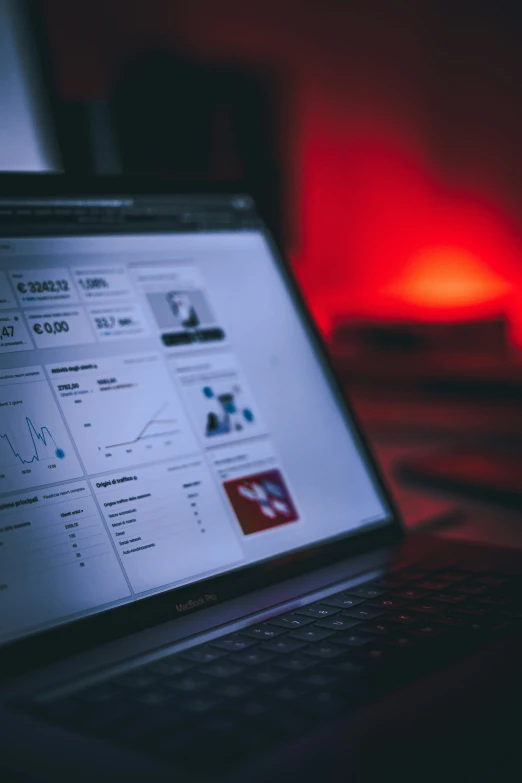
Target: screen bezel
column 71, row 636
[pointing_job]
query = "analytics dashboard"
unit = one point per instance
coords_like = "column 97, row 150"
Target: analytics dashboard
column 163, row 418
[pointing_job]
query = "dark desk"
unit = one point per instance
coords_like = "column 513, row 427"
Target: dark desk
column 406, row 426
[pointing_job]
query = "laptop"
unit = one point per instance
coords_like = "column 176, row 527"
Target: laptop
column 202, row 573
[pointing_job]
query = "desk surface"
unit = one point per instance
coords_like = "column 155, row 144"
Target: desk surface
column 398, row 431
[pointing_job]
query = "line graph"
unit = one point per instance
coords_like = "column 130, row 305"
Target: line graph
column 40, row 436
column 143, row 432
column 35, row 447
column 125, row 411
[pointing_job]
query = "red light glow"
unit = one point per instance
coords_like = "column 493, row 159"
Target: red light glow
column 447, row 277
column 383, row 238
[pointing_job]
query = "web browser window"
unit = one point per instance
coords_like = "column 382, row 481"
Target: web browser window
column 163, row 418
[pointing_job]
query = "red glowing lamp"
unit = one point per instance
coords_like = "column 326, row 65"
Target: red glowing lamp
column 448, row 281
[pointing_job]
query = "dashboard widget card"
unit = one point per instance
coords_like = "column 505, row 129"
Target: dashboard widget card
column 261, row 501
column 13, row 333
column 47, row 286
column 56, row 558
column 218, row 397
column 168, row 522
column 180, row 305
column 122, row 411
column 34, row 445
column 118, row 322
column 57, row 328
column 99, row 284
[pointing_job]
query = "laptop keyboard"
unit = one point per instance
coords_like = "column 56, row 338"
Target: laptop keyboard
column 246, row 691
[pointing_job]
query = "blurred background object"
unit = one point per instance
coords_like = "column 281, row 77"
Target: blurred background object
column 27, row 137
column 381, row 142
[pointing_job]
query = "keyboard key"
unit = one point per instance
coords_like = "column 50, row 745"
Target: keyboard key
column 337, row 623
column 254, row 708
column 492, row 580
column 471, row 588
column 455, row 576
column 288, row 692
column 318, row 610
column 449, row 598
column 153, row 698
column 203, row 654
column 379, row 627
column 363, row 612
column 410, row 593
column 366, row 591
column 494, row 601
column 402, row 642
column 265, row 676
column 200, row 705
column 135, row 680
column 233, row 643
column 375, row 655
column 169, row 666
column 449, row 620
column 192, row 681
column 253, row 657
column 234, row 689
column 221, row 669
column 476, row 610
column 343, row 601
column 325, row 650
column 320, row 679
column 347, row 667
column 388, row 602
column 354, row 639
column 425, row 607
column 403, row 617
column 284, row 645
column 487, row 624
column 312, row 633
column 291, row 621
column 433, row 584
column 428, row 630
column 296, row 663
column 262, row 632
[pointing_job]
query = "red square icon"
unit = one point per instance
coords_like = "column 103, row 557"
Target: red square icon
column 261, row 501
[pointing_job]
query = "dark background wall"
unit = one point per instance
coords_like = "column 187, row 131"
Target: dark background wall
column 394, row 134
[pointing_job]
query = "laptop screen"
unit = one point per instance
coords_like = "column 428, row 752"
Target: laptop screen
column 164, row 416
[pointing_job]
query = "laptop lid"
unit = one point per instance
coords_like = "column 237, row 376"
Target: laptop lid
column 170, row 430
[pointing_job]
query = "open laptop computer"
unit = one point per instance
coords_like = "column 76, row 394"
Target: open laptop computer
column 202, row 574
